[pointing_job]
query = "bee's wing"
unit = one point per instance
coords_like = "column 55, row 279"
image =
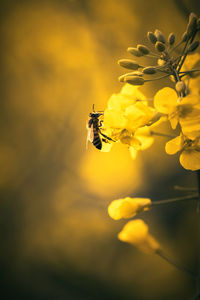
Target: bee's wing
column 90, row 135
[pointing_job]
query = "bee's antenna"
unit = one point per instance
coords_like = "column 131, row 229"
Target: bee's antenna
column 93, row 107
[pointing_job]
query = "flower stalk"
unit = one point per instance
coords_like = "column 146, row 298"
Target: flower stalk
column 161, row 254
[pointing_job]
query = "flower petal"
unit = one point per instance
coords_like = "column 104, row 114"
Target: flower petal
column 165, row 100
column 133, row 91
column 190, row 159
column 174, row 145
column 133, row 152
column 114, row 119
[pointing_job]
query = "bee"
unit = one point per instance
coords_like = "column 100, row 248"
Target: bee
column 94, row 131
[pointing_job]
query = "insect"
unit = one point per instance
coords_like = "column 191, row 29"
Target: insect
column 94, row 131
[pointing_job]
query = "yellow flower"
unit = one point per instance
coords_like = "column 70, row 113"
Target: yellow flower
column 126, row 111
column 167, row 102
column 191, row 122
column 141, row 139
column 145, row 137
column 194, row 85
column 138, row 115
column 136, row 233
column 128, row 95
column 128, row 207
column 190, row 150
column 193, row 62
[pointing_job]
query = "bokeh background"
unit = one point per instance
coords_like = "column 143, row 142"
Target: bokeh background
column 57, row 241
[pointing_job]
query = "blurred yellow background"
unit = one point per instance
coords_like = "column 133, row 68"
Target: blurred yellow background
column 57, row 59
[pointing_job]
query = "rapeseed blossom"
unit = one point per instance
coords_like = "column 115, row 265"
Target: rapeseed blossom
column 136, row 232
column 178, row 109
column 189, row 148
column 128, row 207
column 131, row 119
column 127, row 118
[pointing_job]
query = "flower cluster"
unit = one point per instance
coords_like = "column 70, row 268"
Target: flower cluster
column 130, row 118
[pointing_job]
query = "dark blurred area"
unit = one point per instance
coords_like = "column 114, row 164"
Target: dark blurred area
column 57, row 241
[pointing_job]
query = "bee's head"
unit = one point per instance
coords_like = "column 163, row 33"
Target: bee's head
column 95, row 114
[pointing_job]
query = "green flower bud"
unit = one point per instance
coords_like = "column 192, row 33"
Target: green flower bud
column 159, row 46
column 134, row 80
column 151, row 37
column 159, row 35
column 180, row 86
column 128, row 64
column 143, row 49
column 184, row 37
column 192, row 24
column 134, row 51
column 171, row 39
column 193, row 46
column 136, row 73
column 149, row 70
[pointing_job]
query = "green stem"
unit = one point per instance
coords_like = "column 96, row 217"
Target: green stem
column 179, row 267
column 187, row 189
column 189, row 71
column 158, row 78
column 174, row 48
column 162, row 134
column 188, row 197
column 186, row 53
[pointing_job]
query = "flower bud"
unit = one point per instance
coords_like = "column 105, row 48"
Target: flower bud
column 128, row 207
column 159, row 35
column 193, row 46
column 136, row 232
column 171, row 39
column 184, row 37
column 134, row 80
column 128, row 64
column 192, row 24
column 134, row 51
column 149, row 70
column 143, row 49
column 151, row 37
column 136, row 73
column 160, row 47
column 180, row 86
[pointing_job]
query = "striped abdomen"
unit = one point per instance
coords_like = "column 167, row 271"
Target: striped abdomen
column 96, row 139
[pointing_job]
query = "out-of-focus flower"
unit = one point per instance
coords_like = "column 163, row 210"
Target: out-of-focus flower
column 191, row 62
column 127, row 110
column 128, row 207
column 167, row 102
column 190, row 150
column 136, row 232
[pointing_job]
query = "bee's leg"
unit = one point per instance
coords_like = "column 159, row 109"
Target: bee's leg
column 108, row 138
column 100, row 123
